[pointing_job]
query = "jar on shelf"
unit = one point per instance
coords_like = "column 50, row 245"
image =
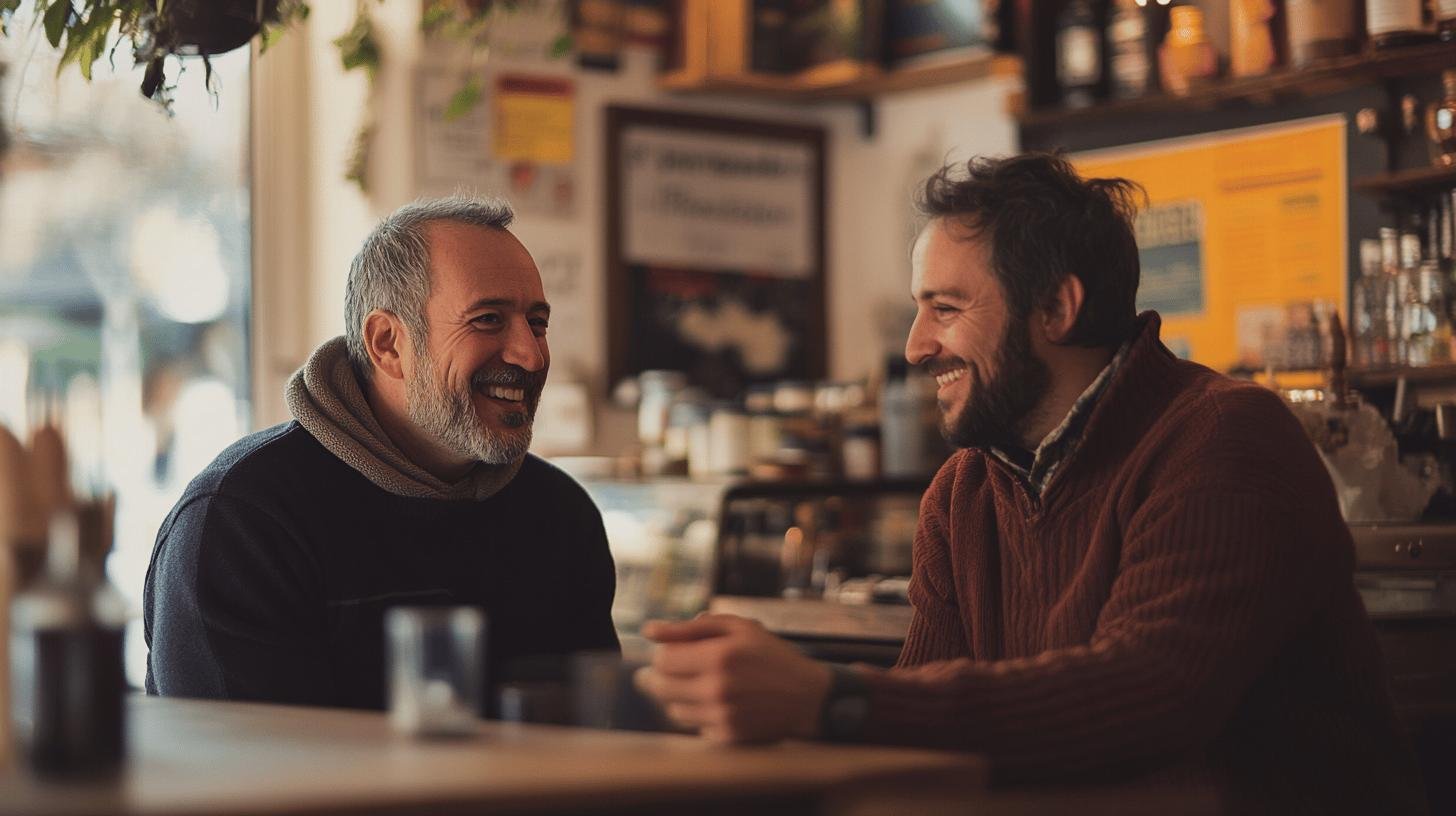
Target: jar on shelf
column 728, row 429
column 1187, row 55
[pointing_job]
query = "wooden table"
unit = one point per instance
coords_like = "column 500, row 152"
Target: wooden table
column 203, row 758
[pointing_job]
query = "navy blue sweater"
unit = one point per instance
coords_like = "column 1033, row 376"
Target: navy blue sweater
column 271, row 576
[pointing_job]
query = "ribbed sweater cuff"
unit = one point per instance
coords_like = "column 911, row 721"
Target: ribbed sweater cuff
column 903, row 710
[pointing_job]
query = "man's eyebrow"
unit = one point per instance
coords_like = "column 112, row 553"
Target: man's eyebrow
column 505, row 303
column 949, row 292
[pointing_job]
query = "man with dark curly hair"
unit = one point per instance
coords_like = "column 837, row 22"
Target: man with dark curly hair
column 1132, row 563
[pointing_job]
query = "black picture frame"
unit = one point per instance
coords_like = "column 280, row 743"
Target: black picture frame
column 644, row 298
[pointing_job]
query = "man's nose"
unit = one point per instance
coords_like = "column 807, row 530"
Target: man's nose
column 920, row 345
column 523, row 348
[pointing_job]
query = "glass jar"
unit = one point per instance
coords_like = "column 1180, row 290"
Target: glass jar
column 729, row 440
column 659, row 389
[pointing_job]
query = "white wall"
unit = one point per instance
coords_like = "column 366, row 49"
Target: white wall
column 305, row 244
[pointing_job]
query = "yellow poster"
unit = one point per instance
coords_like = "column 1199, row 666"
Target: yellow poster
column 535, row 119
column 1244, row 238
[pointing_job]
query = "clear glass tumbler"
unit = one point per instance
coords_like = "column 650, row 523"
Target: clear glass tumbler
column 436, row 668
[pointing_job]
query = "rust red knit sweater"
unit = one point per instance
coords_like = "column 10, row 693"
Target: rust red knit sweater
column 1181, row 593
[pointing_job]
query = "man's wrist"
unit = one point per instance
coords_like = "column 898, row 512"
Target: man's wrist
column 846, row 705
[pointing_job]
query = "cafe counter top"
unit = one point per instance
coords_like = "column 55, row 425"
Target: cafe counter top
column 206, row 758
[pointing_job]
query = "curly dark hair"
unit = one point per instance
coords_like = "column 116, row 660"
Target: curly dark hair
column 1043, row 222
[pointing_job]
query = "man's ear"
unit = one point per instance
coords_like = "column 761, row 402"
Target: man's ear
column 385, row 343
column 1059, row 316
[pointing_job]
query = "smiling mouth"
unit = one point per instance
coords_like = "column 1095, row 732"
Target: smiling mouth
column 948, row 377
column 497, row 392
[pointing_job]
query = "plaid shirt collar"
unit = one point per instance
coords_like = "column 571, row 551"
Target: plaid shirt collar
column 1037, row 468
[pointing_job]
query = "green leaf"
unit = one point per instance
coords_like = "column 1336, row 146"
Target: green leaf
column 464, row 100
column 562, row 45
column 55, row 21
column 7, row 8
column 102, row 19
column 86, row 39
column 436, row 14
column 357, row 47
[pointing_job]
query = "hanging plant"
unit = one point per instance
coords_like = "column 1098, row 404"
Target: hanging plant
column 86, row 30
column 463, row 21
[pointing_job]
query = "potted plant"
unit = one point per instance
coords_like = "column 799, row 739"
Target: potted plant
column 86, row 30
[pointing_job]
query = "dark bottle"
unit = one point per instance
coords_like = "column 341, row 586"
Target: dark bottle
column 1446, row 20
column 68, row 682
column 1395, row 23
column 1321, row 29
column 1127, row 40
column 1079, row 54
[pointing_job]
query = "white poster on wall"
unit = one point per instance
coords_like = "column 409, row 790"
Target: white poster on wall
column 706, row 201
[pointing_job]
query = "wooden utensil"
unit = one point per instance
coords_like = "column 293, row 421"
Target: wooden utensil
column 49, row 474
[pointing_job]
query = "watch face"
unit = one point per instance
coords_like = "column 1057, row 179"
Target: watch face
column 847, row 715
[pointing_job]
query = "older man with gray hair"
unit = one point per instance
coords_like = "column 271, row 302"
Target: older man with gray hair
column 403, row 479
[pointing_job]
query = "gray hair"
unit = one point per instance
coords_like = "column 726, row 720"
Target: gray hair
column 392, row 270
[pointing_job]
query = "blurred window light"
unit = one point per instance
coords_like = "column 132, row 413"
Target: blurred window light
column 125, row 271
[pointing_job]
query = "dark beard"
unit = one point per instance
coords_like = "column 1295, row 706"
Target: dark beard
column 997, row 411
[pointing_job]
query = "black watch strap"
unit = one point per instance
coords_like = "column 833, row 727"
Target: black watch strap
column 846, row 706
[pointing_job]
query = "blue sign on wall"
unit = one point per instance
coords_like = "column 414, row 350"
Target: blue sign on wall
column 1170, row 249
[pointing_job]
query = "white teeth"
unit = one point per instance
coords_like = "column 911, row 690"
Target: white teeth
column 513, row 394
column 949, row 377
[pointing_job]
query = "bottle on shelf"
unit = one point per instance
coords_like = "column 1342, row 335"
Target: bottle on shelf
column 1434, row 322
column 1392, row 296
column 1321, row 29
column 1127, row 41
column 1079, row 54
column 1445, row 20
column 1395, row 23
column 1371, row 346
column 1441, row 123
column 1415, row 333
column 1256, row 36
column 1187, row 55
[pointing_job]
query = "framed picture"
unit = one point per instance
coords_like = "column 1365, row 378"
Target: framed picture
column 715, row 249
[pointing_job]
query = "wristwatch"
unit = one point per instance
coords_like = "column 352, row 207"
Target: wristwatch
column 845, row 706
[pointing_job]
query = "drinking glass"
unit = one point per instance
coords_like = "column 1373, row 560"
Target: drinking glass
column 436, row 655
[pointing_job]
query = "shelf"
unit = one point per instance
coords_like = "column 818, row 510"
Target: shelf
column 1407, row 181
column 1444, row 373
column 845, row 81
column 1325, row 77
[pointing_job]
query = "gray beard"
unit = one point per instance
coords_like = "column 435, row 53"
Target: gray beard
column 451, row 419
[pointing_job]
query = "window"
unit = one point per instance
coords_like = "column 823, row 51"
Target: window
column 124, row 278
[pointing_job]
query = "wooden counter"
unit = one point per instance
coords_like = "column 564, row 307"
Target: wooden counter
column 203, row 758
